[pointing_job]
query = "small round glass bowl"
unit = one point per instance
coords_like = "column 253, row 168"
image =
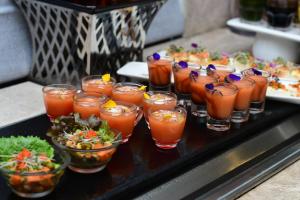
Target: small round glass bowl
column 89, row 161
column 37, row 184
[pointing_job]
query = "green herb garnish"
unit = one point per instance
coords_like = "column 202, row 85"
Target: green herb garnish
column 216, row 56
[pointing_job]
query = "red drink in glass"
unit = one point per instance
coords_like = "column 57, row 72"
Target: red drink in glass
column 58, row 99
column 259, row 93
column 160, row 72
column 129, row 93
column 121, row 116
column 87, row 104
column 220, row 103
column 242, row 103
column 158, row 100
column 167, row 126
column 198, row 82
column 98, row 84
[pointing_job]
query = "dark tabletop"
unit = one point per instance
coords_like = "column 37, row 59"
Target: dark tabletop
column 96, row 6
column 138, row 165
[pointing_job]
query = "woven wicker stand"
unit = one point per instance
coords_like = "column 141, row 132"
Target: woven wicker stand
column 69, row 43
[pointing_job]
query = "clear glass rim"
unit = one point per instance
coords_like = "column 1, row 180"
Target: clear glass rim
column 227, row 85
column 177, row 109
column 65, row 157
column 171, row 94
column 250, row 82
column 82, row 94
column 132, row 107
column 118, row 139
column 121, row 84
column 249, row 72
column 191, row 66
column 92, row 77
column 165, row 58
column 69, row 88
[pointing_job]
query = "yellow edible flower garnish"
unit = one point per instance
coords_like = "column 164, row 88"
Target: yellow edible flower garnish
column 110, row 104
column 143, row 87
column 146, row 96
column 167, row 116
column 106, row 77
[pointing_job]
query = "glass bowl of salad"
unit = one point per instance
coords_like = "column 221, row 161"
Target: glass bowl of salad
column 31, row 166
column 90, row 143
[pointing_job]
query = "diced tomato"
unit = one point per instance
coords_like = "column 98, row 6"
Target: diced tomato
column 15, row 180
column 90, row 134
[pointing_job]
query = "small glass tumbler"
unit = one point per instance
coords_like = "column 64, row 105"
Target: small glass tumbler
column 158, row 100
column 96, row 85
column 198, row 81
column 242, row 103
column 58, row 100
column 167, row 126
column 128, row 92
column 220, row 103
column 258, row 97
column 87, row 104
column 160, row 69
column 182, row 81
column 122, row 117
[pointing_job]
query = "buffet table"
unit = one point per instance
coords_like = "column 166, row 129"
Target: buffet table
column 138, row 167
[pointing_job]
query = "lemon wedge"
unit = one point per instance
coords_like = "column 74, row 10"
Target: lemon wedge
column 146, row 96
column 167, row 116
column 106, row 77
column 110, row 104
column 143, row 87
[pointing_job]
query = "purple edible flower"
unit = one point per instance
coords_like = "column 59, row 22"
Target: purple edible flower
column 156, row 56
column 183, row 64
column 194, row 45
column 209, row 86
column 256, row 72
column 194, row 73
column 211, row 67
column 234, row 77
column 272, row 65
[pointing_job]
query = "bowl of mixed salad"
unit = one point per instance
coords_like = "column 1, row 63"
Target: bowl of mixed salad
column 30, row 165
column 90, row 143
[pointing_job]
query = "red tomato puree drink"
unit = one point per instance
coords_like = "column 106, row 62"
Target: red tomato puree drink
column 167, row 126
column 242, row 102
column 160, row 69
column 181, row 71
column 220, row 103
column 58, row 99
column 87, row 104
column 258, row 97
column 198, row 82
column 158, row 100
column 99, row 84
column 129, row 93
column 121, row 116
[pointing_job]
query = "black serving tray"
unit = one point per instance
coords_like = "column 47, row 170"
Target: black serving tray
column 96, row 6
column 139, row 165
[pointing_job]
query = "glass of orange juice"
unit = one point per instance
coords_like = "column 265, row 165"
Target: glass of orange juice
column 167, row 126
column 87, row 104
column 98, row 84
column 160, row 69
column 181, row 72
column 198, row 81
column 158, row 100
column 121, row 116
column 220, row 103
column 258, row 97
column 129, row 92
column 245, row 89
column 58, row 99
column 219, row 71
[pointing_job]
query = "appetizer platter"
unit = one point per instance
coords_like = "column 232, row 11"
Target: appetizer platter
column 285, row 75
